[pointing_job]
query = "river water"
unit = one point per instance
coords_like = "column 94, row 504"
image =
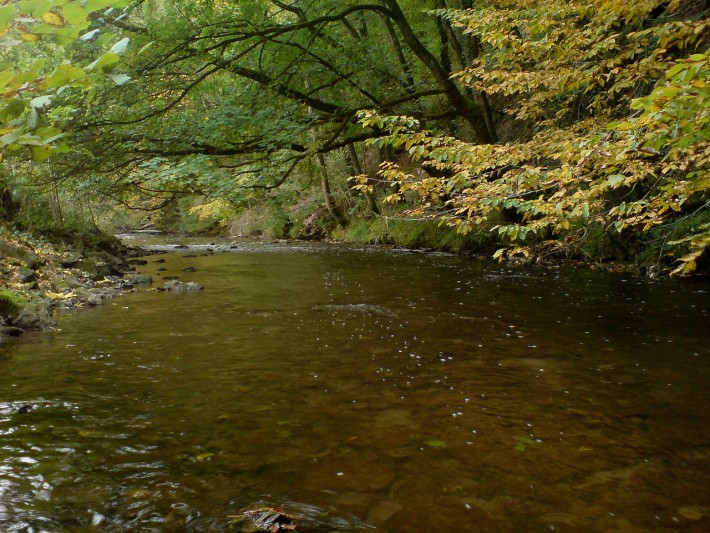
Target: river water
column 363, row 390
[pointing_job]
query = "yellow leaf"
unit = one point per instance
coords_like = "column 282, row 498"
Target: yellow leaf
column 53, row 19
column 29, row 37
column 60, row 295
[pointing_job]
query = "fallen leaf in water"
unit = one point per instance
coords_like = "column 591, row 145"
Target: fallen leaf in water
column 204, row 456
column 436, row 443
column 139, row 493
column 91, row 433
column 694, row 512
column 522, row 443
column 269, row 519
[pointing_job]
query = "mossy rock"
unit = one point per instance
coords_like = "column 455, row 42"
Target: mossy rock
column 314, row 227
column 10, row 304
column 20, row 311
column 84, row 239
column 20, row 254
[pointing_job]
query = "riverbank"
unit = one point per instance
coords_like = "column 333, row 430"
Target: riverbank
column 599, row 250
column 39, row 274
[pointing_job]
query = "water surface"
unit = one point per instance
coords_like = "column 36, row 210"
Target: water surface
column 363, row 390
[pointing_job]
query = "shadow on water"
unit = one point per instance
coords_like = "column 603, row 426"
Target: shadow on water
column 363, row 390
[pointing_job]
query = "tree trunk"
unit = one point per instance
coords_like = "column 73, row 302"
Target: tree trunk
column 467, row 109
column 8, row 206
column 397, row 48
column 357, row 170
column 327, row 196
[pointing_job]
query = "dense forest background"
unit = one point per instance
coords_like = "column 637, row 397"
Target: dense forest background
column 539, row 131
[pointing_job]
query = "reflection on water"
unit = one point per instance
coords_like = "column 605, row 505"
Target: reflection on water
column 363, row 390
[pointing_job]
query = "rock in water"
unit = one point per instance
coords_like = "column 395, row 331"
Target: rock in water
column 179, row 286
column 268, row 519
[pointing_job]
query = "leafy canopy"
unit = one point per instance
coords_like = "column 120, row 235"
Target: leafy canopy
column 616, row 100
column 29, row 87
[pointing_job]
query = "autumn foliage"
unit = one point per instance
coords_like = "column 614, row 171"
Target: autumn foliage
column 612, row 99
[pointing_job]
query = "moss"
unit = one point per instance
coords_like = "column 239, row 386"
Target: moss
column 601, row 244
column 414, row 234
column 10, row 303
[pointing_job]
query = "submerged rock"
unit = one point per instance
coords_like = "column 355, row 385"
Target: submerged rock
column 9, row 331
column 137, row 279
column 179, row 286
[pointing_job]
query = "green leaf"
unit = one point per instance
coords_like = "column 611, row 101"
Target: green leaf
column 105, row 63
column 41, row 101
column 145, row 47
column 615, row 179
column 119, row 79
column 11, row 137
column 63, row 75
column 89, row 35
column 41, row 153
column 675, row 70
column 12, row 109
column 522, row 443
column 36, row 8
column 105, row 38
column 7, row 16
column 436, row 443
column 5, row 78
column 29, row 140
column 68, row 35
column 74, row 13
column 48, row 133
column 120, row 46
column 97, row 5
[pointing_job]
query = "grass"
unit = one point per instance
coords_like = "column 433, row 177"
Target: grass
column 413, row 234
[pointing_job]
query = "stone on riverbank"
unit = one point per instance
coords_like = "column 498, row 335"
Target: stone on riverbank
column 19, row 311
column 18, row 253
column 37, row 276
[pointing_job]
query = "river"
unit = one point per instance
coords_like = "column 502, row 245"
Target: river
column 363, row 390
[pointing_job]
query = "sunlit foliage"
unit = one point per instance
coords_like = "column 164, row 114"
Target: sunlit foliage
column 35, row 71
column 615, row 97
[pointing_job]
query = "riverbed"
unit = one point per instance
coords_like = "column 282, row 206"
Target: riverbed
column 362, row 389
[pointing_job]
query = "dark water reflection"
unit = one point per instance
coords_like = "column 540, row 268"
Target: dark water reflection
column 364, row 389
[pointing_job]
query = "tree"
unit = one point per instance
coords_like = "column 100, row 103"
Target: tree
column 31, row 88
column 616, row 102
column 260, row 86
